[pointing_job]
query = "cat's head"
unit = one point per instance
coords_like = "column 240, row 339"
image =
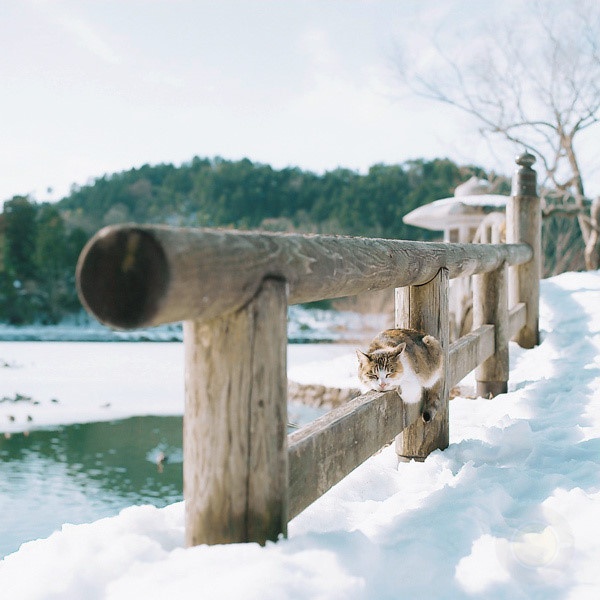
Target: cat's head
column 381, row 370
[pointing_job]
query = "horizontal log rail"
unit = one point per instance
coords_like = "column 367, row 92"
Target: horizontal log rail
column 244, row 477
column 469, row 351
column 133, row 276
column 473, row 348
column 323, row 452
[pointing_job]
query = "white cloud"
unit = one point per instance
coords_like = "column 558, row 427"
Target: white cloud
column 307, row 84
column 317, row 45
column 87, row 37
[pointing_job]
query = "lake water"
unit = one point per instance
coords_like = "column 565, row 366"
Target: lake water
column 104, row 459
column 80, row 473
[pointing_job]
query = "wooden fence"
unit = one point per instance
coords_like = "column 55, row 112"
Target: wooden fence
column 244, row 477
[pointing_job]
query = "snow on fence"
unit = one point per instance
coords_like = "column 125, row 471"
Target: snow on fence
column 244, row 477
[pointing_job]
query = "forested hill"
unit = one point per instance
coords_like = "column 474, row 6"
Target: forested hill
column 39, row 243
column 249, row 195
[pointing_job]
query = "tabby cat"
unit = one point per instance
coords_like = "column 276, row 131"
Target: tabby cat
column 405, row 360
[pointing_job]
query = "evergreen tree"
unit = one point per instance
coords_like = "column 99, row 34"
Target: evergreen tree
column 20, row 231
column 41, row 243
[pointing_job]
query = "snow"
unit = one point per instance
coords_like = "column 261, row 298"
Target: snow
column 305, row 324
column 509, row 510
column 49, row 378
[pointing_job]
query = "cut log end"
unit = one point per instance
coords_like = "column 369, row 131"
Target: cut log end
column 122, row 275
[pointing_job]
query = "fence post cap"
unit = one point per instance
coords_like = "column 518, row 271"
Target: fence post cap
column 524, row 181
column 526, row 159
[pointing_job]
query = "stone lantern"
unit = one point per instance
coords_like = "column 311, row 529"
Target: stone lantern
column 461, row 215
column 472, row 215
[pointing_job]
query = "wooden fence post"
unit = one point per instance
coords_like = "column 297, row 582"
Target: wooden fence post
column 592, row 248
column 490, row 307
column 524, row 224
column 235, row 465
column 425, row 308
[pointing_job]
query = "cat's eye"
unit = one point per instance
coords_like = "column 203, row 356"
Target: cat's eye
column 373, row 376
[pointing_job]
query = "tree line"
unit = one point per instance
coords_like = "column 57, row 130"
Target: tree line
column 40, row 242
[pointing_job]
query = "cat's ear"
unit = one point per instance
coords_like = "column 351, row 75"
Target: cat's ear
column 400, row 349
column 362, row 357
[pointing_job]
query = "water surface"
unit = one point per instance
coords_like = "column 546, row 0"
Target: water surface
column 80, row 473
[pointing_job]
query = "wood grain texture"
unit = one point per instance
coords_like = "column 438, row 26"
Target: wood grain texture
column 490, row 307
column 135, row 276
column 323, row 452
column 235, row 423
column 241, row 480
column 425, row 308
column 524, row 225
column 524, row 217
column 469, row 351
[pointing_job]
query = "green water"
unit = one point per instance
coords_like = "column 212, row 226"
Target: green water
column 80, row 473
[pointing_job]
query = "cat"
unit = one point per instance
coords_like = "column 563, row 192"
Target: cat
column 407, row 361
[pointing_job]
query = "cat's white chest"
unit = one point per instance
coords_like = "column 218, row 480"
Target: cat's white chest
column 410, row 386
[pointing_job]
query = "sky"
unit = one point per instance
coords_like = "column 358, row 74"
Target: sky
column 91, row 87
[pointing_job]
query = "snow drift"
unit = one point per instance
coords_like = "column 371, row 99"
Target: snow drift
column 507, row 511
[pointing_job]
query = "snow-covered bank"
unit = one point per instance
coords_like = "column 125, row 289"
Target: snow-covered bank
column 508, row 511
column 59, row 383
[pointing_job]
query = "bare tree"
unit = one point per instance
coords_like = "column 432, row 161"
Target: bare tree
column 538, row 87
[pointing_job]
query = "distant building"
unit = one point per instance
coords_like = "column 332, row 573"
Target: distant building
column 461, row 215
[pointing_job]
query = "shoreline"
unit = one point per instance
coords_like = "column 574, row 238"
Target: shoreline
column 305, row 326
column 48, row 383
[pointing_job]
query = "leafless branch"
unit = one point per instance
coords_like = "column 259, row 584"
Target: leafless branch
column 537, row 97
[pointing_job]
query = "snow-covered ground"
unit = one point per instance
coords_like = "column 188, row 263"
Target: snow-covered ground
column 59, row 383
column 508, row 511
column 305, row 325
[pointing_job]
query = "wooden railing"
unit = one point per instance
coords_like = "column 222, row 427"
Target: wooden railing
column 244, row 477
